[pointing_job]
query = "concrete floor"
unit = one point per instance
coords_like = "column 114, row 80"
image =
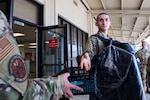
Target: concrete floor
column 86, row 97
column 148, row 96
column 80, row 97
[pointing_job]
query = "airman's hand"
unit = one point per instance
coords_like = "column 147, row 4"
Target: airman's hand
column 85, row 62
column 68, row 86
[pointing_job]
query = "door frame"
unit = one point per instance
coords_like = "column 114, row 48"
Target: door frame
column 40, row 47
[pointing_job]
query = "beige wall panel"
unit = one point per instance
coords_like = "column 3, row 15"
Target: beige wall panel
column 77, row 15
column 25, row 10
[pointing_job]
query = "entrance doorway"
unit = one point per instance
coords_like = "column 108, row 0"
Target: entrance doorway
column 52, row 50
column 25, row 35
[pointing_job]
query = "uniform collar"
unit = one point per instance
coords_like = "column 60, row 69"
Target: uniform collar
column 101, row 34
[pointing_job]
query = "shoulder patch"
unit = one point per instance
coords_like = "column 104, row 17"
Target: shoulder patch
column 17, row 68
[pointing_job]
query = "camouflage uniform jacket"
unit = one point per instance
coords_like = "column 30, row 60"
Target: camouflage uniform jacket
column 94, row 45
column 143, row 56
column 148, row 65
column 49, row 88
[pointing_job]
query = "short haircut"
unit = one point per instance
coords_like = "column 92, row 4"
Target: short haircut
column 144, row 41
column 101, row 14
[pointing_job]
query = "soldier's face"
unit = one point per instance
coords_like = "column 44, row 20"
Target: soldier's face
column 144, row 44
column 103, row 22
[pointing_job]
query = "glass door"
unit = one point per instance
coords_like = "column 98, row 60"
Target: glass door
column 51, row 50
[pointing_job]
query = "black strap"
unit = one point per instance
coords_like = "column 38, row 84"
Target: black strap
column 116, row 43
column 107, row 41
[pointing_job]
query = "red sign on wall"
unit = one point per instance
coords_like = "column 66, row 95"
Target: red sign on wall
column 53, row 43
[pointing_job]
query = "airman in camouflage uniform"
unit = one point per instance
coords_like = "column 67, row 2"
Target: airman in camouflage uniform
column 94, row 45
column 148, row 75
column 143, row 55
column 14, row 84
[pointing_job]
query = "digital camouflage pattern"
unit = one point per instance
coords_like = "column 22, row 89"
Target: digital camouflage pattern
column 49, row 88
column 148, row 72
column 14, row 84
column 148, row 65
column 94, row 45
column 143, row 55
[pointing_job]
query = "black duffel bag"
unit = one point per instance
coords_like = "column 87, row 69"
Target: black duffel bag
column 117, row 75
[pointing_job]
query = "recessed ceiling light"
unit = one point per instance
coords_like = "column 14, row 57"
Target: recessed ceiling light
column 32, row 47
column 18, row 34
column 19, row 23
column 32, row 43
column 20, row 45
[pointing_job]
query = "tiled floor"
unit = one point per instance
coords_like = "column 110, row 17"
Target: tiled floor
column 148, row 96
column 81, row 97
column 86, row 97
